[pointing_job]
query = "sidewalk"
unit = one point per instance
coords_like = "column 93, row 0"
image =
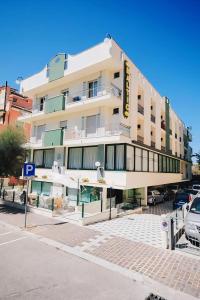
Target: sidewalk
column 171, row 269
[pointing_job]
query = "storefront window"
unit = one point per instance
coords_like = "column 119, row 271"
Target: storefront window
column 155, row 162
column 75, row 158
column 89, row 157
column 130, row 158
column 138, row 159
column 119, row 157
column 151, row 167
column 144, row 160
column 110, row 161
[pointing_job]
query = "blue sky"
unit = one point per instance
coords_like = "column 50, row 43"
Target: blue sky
column 162, row 37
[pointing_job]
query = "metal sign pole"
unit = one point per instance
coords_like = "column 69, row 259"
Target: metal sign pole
column 26, row 201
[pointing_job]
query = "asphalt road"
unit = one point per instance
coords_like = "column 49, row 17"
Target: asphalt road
column 30, row 269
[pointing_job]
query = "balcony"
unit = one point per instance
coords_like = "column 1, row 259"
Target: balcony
column 153, row 118
column 53, row 138
column 103, row 130
column 140, row 139
column 54, row 104
column 141, row 109
column 104, row 95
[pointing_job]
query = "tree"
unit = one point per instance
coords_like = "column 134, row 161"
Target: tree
column 12, row 153
column 197, row 156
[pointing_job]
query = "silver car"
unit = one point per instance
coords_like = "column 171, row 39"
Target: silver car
column 192, row 222
column 155, row 197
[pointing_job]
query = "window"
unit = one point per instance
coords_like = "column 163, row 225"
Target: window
column 38, row 158
column 43, row 158
column 41, row 103
column 151, row 162
column 116, row 75
column 39, row 131
column 40, row 187
column 138, row 159
column 164, row 164
column 139, row 97
column 63, row 124
column 110, row 160
column 75, row 158
column 160, row 163
column 115, row 157
column 89, row 157
column 144, row 161
column 155, row 162
column 130, row 158
column 119, row 157
column 48, row 158
column 92, row 88
column 92, row 124
column 116, row 111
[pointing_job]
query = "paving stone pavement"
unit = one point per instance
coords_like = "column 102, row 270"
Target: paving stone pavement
column 170, row 268
column 144, row 228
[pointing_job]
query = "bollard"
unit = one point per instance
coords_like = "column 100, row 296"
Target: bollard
column 13, row 199
column 171, row 234
column 164, row 231
column 83, row 207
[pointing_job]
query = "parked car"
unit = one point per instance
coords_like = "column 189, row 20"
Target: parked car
column 154, row 197
column 180, row 199
column 192, row 222
column 196, row 187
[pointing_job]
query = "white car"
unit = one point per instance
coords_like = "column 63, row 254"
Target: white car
column 192, row 222
column 196, row 187
column 155, row 197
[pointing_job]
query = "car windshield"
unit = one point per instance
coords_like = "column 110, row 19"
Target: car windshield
column 196, row 187
column 191, row 192
column 195, row 207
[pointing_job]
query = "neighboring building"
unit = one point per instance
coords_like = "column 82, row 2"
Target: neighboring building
column 96, row 106
column 12, row 106
column 195, row 169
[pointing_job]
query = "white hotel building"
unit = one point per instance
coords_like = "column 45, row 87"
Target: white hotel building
column 96, row 106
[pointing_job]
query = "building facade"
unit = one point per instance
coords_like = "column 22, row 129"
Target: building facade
column 100, row 129
column 12, row 106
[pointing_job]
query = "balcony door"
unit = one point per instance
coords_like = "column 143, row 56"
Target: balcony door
column 92, row 88
column 92, row 125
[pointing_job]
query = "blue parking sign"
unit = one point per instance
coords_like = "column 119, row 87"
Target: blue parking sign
column 29, row 170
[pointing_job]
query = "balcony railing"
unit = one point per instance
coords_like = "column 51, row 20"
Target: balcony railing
column 88, row 94
column 153, row 144
column 103, row 130
column 140, row 139
column 153, row 118
column 140, row 109
column 53, row 138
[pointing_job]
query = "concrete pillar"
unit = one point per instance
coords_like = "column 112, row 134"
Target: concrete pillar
column 104, row 198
